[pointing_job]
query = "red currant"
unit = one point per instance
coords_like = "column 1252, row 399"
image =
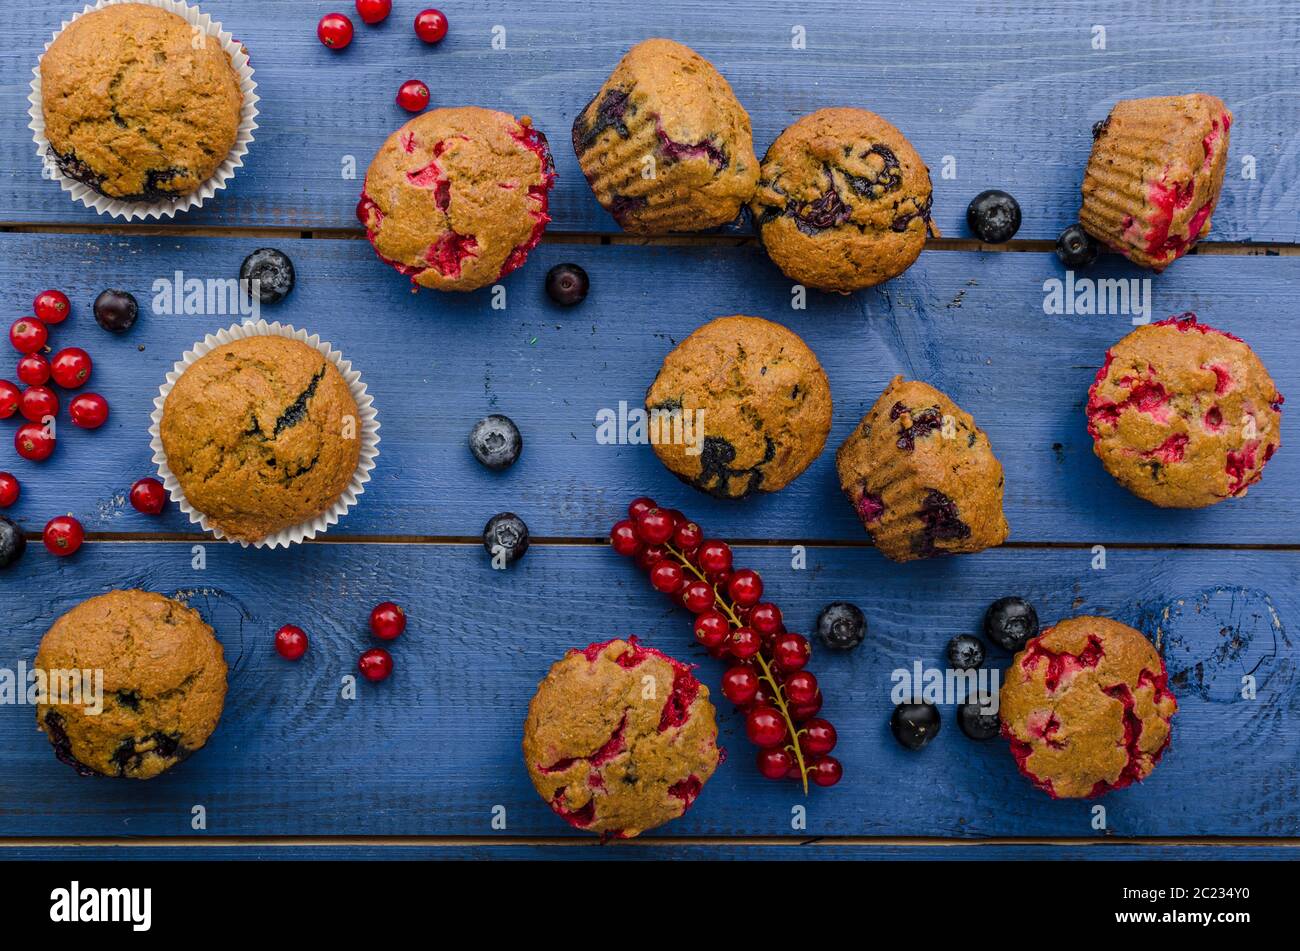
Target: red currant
column 52, row 307
column 387, row 621
column 817, row 737
column 791, row 651
column 687, row 536
column 745, row 587
column 739, row 684
column 34, row 370
column 430, row 25
column 63, row 536
column 825, row 771
column 28, row 335
column 413, row 95
column 623, row 539
column 638, row 507
column 375, row 664
column 10, row 395
column 148, row 496
column 38, row 404
column 711, row 628
column 744, row 643
column 667, row 576
column 801, row 712
column 89, row 411
column 9, row 490
column 71, row 367
column 374, row 11
column 800, row 687
column 654, row 527
column 650, row 555
column 766, row 619
column 290, row 642
column 765, row 727
column 775, row 763
column 334, row 30
column 34, row 441
column 715, row 557
column 677, row 517
column 697, row 597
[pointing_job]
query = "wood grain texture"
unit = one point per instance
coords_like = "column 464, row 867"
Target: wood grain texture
column 971, row 324
column 1009, row 90
column 435, row 748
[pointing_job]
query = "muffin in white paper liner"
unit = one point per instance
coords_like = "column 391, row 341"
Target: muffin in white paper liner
column 367, row 432
column 165, row 208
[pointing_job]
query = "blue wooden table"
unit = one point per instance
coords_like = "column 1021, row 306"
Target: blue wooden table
column 1002, row 94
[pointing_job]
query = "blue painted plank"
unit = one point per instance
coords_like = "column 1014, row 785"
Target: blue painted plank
column 1009, row 92
column 971, row 324
column 434, row 749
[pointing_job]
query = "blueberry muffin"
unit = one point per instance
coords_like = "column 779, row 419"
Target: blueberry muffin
column 922, row 476
column 164, row 684
column 1087, row 708
column 1184, row 415
column 1154, row 175
column 262, row 434
column 740, row 406
column 843, row 201
column 457, row 198
column 613, row 752
column 136, row 109
column 665, row 144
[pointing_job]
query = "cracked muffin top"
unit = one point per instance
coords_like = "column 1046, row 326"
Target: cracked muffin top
column 922, row 476
column 620, row 738
column 457, row 198
column 1184, row 415
column 164, row 684
column 843, row 201
column 262, row 434
column 740, row 406
column 665, row 144
column 133, row 109
column 1154, row 176
column 1087, row 708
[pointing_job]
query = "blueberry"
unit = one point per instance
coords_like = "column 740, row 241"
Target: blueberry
column 974, row 722
column 994, row 216
column 915, row 724
column 841, row 626
column 1011, row 622
column 1076, row 248
column 506, row 534
column 567, row 284
column 12, row 543
column 116, row 311
column 965, row 652
column 496, row 442
column 273, row 272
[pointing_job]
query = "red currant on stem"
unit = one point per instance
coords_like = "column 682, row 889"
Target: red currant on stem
column 791, row 651
column 63, row 536
column 387, row 621
column 775, row 763
column 745, row 587
column 740, row 684
column 375, row 664
column 654, row 527
column 800, row 687
column 10, row 395
column 711, row 628
column 290, row 642
column 801, row 712
column 622, row 537
column 687, row 536
column 430, row 25
column 744, row 643
column 148, row 496
column 38, row 404
column 766, row 619
column 698, row 596
column 667, row 576
column 28, row 335
column 34, row 441
column 825, row 771
column 638, row 507
column 413, row 95
column 714, row 557
column 52, row 307
column 89, row 411
column 765, row 727
column 34, row 370
column 334, row 30
column 374, row 11
column 71, row 367
column 650, row 555
column 9, row 490
column 817, row 737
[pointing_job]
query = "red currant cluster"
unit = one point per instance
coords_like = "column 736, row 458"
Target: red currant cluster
column 767, row 678
column 387, row 622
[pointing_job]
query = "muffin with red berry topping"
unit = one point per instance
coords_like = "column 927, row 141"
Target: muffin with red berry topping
column 1184, row 415
column 922, row 476
column 1154, row 175
column 740, row 406
column 1087, row 708
column 457, row 198
column 843, row 201
column 665, row 144
column 620, row 738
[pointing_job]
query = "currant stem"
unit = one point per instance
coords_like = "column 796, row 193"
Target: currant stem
column 777, row 694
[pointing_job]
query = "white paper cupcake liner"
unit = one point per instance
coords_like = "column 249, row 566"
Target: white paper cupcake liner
column 166, row 208
column 367, row 432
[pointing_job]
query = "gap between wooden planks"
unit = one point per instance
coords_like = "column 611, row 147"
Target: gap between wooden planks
column 343, row 841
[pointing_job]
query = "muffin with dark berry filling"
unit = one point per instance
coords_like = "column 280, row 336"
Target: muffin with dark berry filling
column 1184, row 415
column 1154, row 176
column 843, row 201
column 922, row 476
column 163, row 687
column 665, row 144
column 134, row 107
column 457, row 198
column 620, row 738
column 740, row 406
column 1087, row 708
